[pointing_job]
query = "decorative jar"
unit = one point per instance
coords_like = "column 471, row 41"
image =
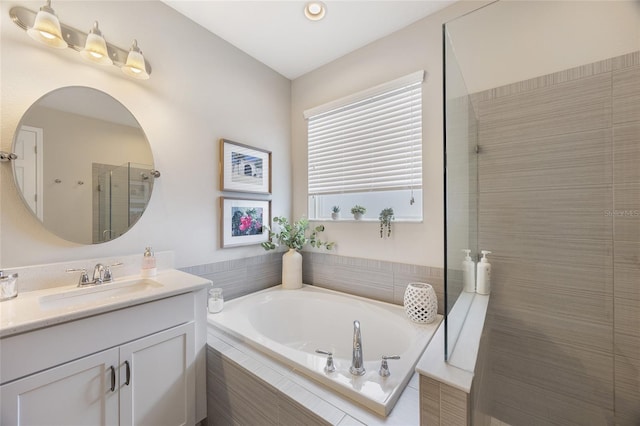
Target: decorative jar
column 216, row 300
column 8, row 286
column 420, row 303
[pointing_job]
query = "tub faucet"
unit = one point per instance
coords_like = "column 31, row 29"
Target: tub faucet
column 357, row 363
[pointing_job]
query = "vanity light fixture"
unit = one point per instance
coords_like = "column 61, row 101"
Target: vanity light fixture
column 95, row 48
column 45, row 27
column 315, row 10
column 135, row 66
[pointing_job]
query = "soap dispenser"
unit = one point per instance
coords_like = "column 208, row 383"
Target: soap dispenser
column 148, row 264
column 468, row 272
column 484, row 274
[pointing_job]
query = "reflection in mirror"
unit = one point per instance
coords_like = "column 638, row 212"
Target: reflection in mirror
column 84, row 165
column 461, row 195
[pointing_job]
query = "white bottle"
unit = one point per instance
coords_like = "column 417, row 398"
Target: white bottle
column 468, row 272
column 148, row 264
column 484, row 274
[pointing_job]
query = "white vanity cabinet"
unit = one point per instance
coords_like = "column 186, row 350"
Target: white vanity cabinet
column 76, row 393
column 156, row 387
column 132, row 366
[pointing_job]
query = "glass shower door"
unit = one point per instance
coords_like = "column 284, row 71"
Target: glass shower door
column 461, row 192
column 123, row 193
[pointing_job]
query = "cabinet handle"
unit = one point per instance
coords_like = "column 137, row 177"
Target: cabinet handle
column 128, row 373
column 113, row 379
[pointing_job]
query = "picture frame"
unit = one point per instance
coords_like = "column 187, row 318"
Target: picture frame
column 244, row 168
column 243, row 221
column 139, row 192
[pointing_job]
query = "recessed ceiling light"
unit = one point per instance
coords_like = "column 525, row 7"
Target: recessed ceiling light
column 314, row 10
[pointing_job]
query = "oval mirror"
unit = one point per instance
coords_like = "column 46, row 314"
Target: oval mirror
column 84, row 167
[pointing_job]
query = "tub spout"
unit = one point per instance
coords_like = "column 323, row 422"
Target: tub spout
column 357, row 363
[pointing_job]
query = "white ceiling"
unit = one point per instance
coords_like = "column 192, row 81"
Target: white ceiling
column 277, row 33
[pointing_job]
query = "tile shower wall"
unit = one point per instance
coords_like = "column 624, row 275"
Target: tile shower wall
column 626, row 238
column 375, row 279
column 559, row 184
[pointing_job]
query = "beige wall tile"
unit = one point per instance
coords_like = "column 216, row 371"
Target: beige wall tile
column 554, row 174
column 291, row 413
column 454, row 406
column 578, row 373
column 627, row 394
column 429, row 401
column 561, row 212
column 626, row 211
column 580, row 105
column 578, row 159
column 237, row 395
column 520, row 403
column 626, row 154
column 542, row 249
column 626, row 95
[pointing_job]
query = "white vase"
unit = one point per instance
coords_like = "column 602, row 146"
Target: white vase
column 420, row 303
column 357, row 216
column 291, row 270
column 335, row 216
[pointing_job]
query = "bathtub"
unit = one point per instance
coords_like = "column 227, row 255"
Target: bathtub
column 289, row 325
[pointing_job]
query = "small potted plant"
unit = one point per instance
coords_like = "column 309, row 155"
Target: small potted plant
column 335, row 212
column 386, row 216
column 358, row 211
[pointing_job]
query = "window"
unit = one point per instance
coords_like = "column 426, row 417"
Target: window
column 366, row 149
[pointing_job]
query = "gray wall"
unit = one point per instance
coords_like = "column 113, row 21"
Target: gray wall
column 184, row 111
column 415, row 47
column 559, row 182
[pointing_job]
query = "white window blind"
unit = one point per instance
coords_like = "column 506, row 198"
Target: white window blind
column 372, row 143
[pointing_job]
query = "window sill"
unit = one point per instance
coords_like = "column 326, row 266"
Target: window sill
column 351, row 220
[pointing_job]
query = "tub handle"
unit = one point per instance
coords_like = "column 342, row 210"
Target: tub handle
column 329, row 368
column 384, row 367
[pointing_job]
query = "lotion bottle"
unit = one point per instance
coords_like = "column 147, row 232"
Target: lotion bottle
column 148, row 264
column 468, row 272
column 484, row 274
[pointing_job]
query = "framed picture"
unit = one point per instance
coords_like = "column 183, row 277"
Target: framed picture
column 245, row 169
column 139, row 192
column 243, row 221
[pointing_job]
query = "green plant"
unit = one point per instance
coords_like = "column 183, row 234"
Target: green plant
column 386, row 216
column 335, row 209
column 294, row 235
column 358, row 209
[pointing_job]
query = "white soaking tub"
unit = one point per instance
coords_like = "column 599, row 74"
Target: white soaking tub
column 290, row 325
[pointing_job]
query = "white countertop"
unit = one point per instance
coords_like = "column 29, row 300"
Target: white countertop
column 459, row 370
column 27, row 311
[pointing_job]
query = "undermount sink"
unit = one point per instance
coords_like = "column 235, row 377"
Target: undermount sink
column 97, row 292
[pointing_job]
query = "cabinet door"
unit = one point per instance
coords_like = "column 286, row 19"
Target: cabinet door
column 82, row 392
column 157, row 378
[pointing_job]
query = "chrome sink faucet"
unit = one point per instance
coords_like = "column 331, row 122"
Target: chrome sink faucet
column 101, row 274
column 357, row 362
column 98, row 274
